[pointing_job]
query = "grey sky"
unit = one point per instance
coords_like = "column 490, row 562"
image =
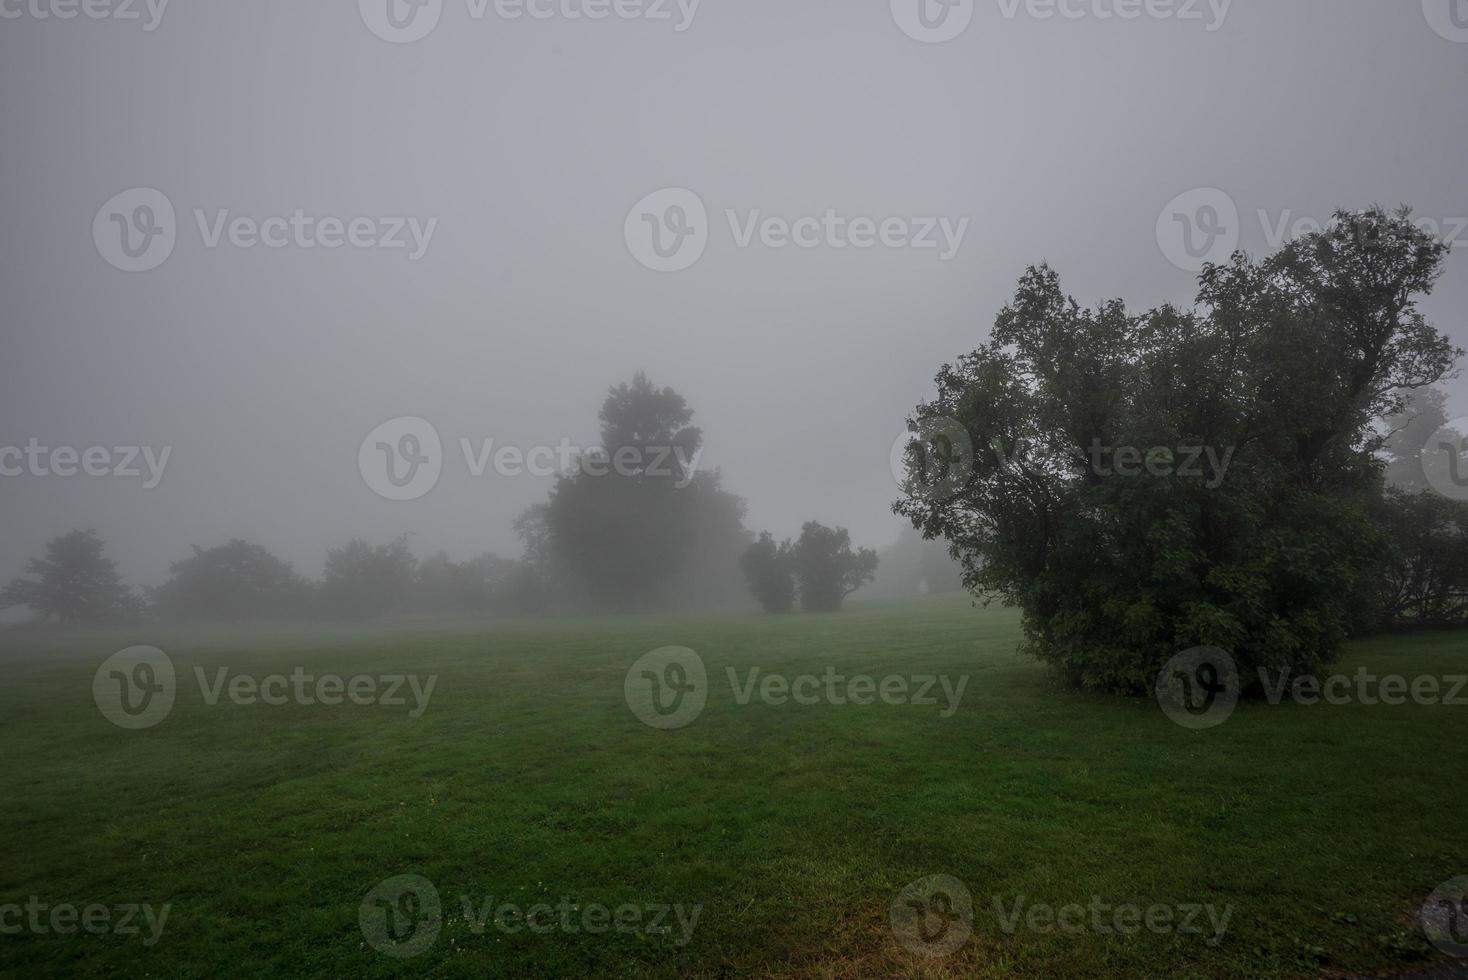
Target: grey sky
column 530, row 140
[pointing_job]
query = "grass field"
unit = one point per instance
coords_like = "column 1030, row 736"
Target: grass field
column 528, row 780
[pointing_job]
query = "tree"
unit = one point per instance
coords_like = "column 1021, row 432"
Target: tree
column 1248, row 427
column 362, row 580
column 74, row 583
column 827, row 569
column 233, row 581
column 1420, row 447
column 768, row 570
column 636, row 525
column 1426, row 580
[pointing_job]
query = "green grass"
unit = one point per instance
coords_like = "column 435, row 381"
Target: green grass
column 794, row 827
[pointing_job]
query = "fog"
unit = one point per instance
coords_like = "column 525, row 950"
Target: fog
column 517, row 148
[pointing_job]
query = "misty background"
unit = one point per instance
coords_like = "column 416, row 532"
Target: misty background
column 529, row 141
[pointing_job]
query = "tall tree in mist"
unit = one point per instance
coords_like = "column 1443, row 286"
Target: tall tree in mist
column 637, row 524
column 74, row 583
column 1082, row 499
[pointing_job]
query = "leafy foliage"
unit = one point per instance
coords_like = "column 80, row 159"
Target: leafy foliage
column 827, row 569
column 237, row 580
column 1283, row 370
column 75, row 583
column 768, row 570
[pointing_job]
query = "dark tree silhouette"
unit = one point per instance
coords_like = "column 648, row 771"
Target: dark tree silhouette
column 74, row 583
column 1287, row 368
column 826, row 567
column 769, row 571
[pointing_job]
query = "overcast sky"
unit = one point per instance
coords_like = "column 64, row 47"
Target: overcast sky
column 526, row 144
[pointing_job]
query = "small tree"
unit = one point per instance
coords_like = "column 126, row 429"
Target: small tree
column 767, row 567
column 827, row 568
column 74, row 583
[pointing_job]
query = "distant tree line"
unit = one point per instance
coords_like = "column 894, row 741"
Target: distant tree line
column 653, row 532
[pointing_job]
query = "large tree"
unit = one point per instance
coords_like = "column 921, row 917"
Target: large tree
column 74, row 583
column 236, row 580
column 1073, row 433
column 636, row 525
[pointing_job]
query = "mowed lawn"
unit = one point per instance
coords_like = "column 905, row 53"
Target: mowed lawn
column 794, row 827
